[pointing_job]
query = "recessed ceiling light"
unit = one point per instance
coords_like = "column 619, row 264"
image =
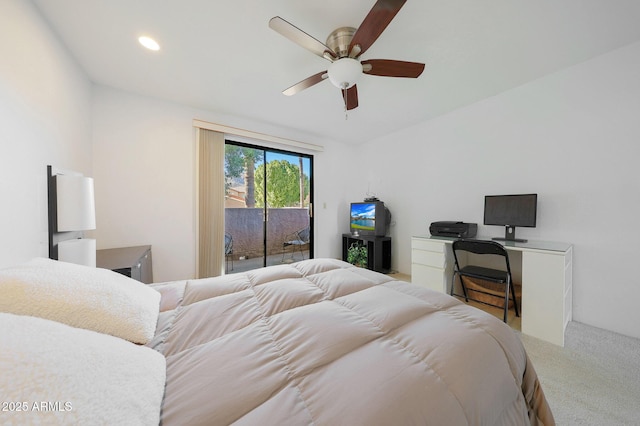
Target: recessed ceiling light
column 149, row 43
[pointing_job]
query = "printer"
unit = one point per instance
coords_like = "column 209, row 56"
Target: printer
column 453, row 229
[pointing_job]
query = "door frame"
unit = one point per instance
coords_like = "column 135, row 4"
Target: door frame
column 265, row 149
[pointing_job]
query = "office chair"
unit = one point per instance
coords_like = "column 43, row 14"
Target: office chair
column 498, row 276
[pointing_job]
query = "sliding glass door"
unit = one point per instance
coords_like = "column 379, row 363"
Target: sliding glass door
column 268, row 207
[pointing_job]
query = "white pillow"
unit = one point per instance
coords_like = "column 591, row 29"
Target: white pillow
column 81, row 296
column 59, row 375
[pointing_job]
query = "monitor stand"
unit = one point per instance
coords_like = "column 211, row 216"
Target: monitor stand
column 510, row 240
column 509, row 235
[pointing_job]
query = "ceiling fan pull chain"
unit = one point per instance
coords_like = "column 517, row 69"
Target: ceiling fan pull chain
column 344, row 98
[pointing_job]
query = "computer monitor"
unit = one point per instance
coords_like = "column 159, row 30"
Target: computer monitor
column 511, row 211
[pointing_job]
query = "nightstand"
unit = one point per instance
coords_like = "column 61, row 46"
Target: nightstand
column 134, row 262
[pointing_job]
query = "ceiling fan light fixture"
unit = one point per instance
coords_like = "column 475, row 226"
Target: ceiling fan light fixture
column 345, row 72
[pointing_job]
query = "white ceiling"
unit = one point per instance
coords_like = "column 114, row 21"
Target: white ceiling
column 223, row 57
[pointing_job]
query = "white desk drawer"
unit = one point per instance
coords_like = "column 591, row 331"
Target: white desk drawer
column 428, row 258
column 429, row 245
column 429, row 277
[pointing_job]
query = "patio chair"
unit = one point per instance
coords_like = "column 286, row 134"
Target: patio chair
column 296, row 239
column 228, row 250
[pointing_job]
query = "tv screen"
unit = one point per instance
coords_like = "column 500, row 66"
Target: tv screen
column 369, row 218
column 511, row 211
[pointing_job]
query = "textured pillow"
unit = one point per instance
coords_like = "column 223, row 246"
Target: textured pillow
column 54, row 374
column 96, row 299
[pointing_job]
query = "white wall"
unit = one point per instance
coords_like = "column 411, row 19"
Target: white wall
column 333, row 193
column 45, row 102
column 140, row 151
column 144, row 171
column 572, row 137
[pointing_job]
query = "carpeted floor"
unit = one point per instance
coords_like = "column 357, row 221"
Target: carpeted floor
column 593, row 380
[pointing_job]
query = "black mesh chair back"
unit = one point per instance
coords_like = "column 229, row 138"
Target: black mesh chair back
column 481, row 247
column 471, row 270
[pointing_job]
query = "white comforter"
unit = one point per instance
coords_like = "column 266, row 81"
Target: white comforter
column 322, row 342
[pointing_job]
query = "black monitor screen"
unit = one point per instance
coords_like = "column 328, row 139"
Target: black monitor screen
column 511, row 210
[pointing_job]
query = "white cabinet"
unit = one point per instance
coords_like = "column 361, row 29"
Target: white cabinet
column 431, row 265
column 547, row 280
column 546, row 294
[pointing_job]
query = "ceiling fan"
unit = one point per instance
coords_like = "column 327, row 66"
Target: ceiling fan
column 343, row 49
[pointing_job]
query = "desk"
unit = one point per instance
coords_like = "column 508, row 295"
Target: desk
column 134, row 262
column 544, row 268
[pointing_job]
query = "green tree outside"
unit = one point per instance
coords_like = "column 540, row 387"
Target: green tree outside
column 283, row 185
column 241, row 162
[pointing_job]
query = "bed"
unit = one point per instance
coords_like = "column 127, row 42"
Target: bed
column 314, row 342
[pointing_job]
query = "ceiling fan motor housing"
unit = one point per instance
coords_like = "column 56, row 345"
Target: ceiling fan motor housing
column 340, row 39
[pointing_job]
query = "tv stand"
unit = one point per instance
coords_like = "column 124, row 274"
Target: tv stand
column 378, row 250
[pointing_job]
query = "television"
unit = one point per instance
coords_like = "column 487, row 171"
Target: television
column 369, row 218
column 511, row 211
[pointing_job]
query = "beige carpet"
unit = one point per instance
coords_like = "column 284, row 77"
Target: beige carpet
column 593, row 380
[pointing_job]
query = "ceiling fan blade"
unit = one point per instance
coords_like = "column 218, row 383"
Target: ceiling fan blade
column 390, row 68
column 350, row 97
column 299, row 37
column 306, row 83
column 375, row 22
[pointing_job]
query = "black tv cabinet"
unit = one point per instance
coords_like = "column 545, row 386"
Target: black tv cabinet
column 378, row 250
